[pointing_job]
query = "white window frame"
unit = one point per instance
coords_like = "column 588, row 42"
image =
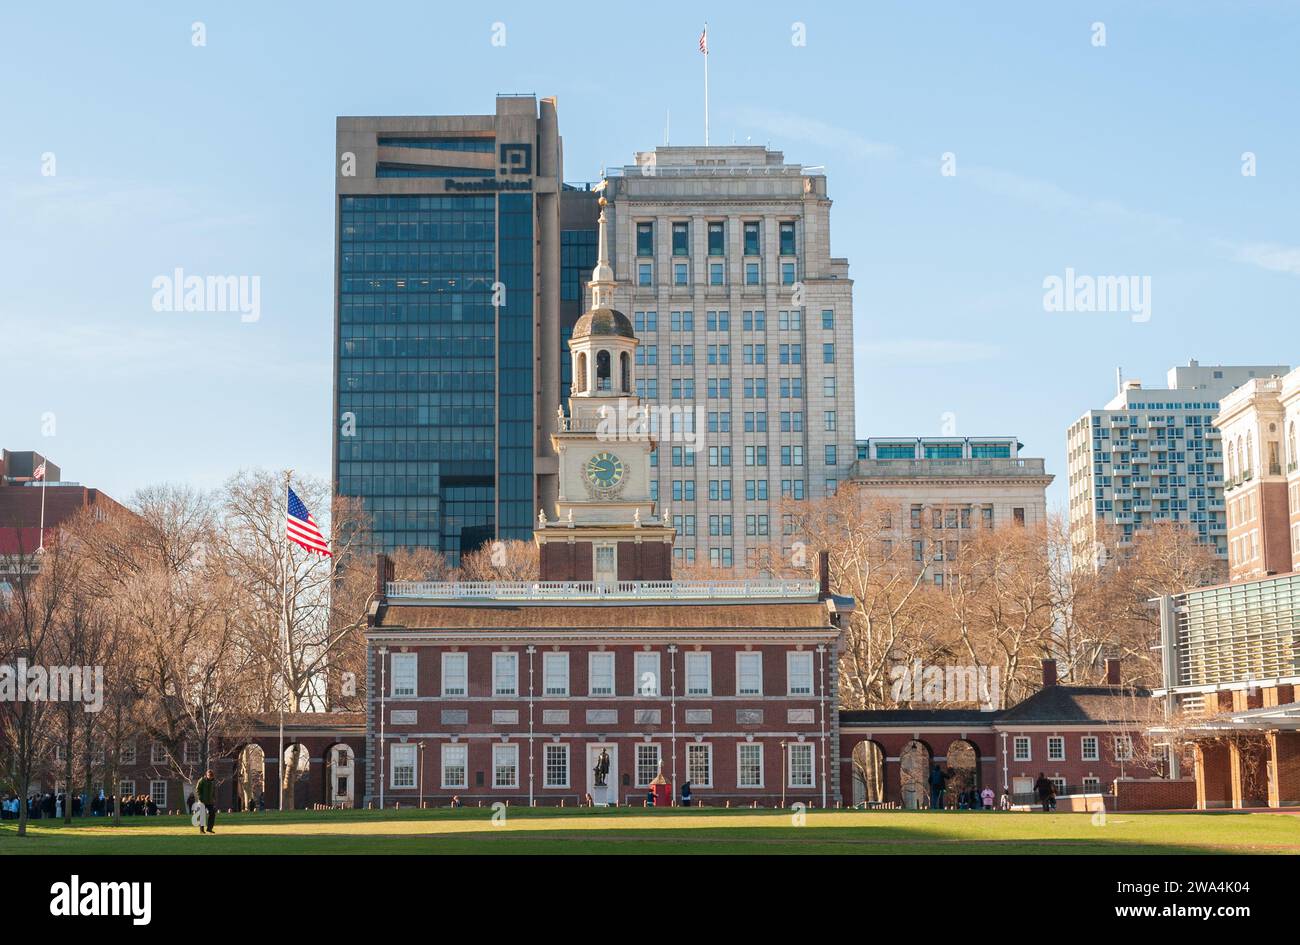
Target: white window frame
column 461, row 748
column 1093, row 781
column 125, row 788
column 741, row 656
column 499, row 676
column 695, row 748
column 126, row 755
column 791, row 658
column 812, row 764
column 1055, row 747
column 157, row 753
column 696, row 655
column 511, row 750
column 153, row 792
column 1016, row 744
column 458, row 657
column 547, row 659
column 1127, row 753
column 639, row 668
column 1090, row 748
column 740, row 767
column 395, row 752
column 547, row 748
column 592, row 658
column 405, row 659
column 636, row 762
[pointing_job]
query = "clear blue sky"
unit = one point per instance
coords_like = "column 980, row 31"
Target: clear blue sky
column 1117, row 160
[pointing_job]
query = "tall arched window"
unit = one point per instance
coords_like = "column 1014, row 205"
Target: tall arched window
column 625, row 372
column 602, row 370
column 580, row 372
column 1250, row 454
column 1290, row 445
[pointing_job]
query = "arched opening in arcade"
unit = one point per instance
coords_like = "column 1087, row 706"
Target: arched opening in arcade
column 868, row 773
column 295, row 782
column 963, row 770
column 249, row 778
column 914, row 774
column 340, row 776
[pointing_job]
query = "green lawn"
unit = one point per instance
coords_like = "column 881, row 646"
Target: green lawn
column 550, row 830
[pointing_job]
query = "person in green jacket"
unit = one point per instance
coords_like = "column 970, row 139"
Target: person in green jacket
column 205, row 791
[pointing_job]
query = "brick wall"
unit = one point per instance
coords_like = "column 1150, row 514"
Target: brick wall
column 1155, row 794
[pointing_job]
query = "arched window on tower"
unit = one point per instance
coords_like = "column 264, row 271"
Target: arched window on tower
column 580, row 372
column 602, row 371
column 625, row 372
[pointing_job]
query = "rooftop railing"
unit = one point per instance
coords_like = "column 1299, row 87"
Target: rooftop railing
column 942, row 468
column 599, row 590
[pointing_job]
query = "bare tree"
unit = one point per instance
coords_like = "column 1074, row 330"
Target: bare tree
column 38, row 582
column 511, row 560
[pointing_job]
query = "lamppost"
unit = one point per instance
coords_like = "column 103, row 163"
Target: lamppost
column 783, row 774
column 420, row 745
column 383, row 685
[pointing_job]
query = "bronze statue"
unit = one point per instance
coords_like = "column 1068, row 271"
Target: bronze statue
column 602, row 768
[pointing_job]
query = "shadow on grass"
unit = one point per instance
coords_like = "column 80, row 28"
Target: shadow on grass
column 636, row 831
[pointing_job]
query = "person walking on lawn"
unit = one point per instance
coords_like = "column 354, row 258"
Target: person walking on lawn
column 206, row 791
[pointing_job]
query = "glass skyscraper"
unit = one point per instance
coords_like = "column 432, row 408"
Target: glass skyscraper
column 447, row 236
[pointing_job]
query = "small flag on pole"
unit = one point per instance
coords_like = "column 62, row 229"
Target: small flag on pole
column 704, row 41
column 39, row 472
column 301, row 527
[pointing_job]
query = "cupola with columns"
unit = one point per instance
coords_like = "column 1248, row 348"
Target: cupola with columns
column 605, row 526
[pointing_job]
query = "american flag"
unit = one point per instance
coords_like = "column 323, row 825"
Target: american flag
column 39, row 472
column 704, row 41
column 301, row 527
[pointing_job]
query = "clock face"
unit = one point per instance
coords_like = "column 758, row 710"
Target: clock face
column 605, row 470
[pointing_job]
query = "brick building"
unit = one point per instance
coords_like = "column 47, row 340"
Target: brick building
column 605, row 675
column 324, row 749
column 1083, row 738
column 22, row 496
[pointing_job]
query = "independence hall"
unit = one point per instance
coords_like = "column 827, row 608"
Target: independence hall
column 605, row 681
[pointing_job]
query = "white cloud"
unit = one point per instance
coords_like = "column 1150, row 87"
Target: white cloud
column 800, row 129
column 1271, row 256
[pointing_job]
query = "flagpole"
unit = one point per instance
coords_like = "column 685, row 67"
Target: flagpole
column 284, row 619
column 706, row 85
column 45, row 477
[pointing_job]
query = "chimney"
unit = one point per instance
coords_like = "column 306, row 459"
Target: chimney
column 1112, row 671
column 383, row 574
column 1049, row 673
column 824, row 575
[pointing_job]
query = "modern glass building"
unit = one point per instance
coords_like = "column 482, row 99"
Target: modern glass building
column 447, row 326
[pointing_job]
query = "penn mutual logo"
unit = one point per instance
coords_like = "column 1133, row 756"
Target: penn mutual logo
column 181, row 293
column 75, row 898
column 1079, row 293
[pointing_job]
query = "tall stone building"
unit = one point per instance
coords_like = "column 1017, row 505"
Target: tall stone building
column 745, row 320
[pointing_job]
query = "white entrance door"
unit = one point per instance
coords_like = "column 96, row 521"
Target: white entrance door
column 602, row 795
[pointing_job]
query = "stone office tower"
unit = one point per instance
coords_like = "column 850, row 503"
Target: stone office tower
column 723, row 263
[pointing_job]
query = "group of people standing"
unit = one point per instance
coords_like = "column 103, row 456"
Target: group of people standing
column 51, row 805
column 968, row 798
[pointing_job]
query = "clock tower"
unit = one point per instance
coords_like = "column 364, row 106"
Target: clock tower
column 606, row 527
